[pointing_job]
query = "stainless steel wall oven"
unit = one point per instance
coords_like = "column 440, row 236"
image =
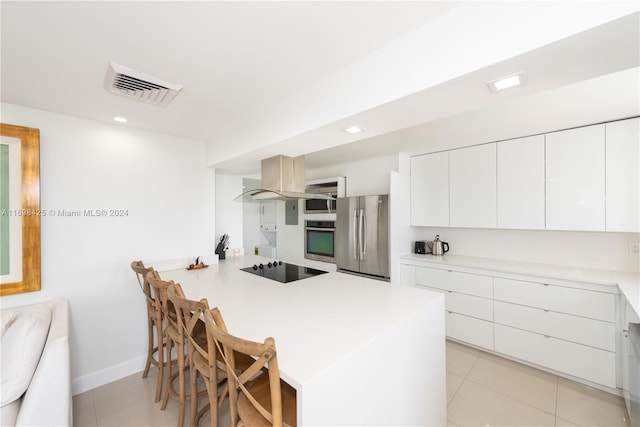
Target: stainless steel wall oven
column 319, row 240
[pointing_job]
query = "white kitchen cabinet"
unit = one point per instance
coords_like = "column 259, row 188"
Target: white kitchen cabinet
column 589, row 363
column 582, row 330
column 563, row 325
column 575, row 179
column 563, row 328
column 578, row 302
column 469, row 330
column 467, row 318
column 472, row 187
column 468, row 303
column 622, row 175
column 520, row 197
column 430, row 190
column 447, row 280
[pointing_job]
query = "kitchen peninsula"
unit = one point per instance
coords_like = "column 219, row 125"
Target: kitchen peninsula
column 357, row 351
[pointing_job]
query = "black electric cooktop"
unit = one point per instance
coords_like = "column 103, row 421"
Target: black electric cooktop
column 282, row 271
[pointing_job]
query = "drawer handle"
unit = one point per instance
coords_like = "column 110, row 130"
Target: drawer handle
column 545, row 284
column 547, row 336
column 449, row 291
column 449, row 311
column 546, row 311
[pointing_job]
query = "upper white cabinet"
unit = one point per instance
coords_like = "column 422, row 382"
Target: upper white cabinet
column 521, row 202
column 575, row 184
column 585, row 179
column 472, row 185
column 622, row 176
column 430, row 190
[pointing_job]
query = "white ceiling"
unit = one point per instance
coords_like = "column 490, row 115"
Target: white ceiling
column 264, row 78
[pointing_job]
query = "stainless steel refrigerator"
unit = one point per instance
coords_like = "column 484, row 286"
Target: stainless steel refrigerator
column 362, row 236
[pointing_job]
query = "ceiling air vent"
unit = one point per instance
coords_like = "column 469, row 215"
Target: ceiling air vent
column 128, row 82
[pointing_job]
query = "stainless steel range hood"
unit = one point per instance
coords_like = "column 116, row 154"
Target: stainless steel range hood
column 282, row 179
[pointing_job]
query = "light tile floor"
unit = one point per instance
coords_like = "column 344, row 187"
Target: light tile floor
column 482, row 390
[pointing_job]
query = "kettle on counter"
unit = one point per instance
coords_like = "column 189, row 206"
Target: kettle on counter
column 438, row 247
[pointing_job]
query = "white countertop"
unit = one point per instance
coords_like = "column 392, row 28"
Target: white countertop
column 627, row 283
column 315, row 321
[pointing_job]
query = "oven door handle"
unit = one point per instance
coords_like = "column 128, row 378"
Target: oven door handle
column 319, row 229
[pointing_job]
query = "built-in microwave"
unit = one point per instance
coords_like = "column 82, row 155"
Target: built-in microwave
column 318, row 205
column 319, row 240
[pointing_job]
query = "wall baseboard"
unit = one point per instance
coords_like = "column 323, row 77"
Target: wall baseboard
column 107, row 375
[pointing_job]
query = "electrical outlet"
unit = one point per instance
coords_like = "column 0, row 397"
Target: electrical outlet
column 634, row 248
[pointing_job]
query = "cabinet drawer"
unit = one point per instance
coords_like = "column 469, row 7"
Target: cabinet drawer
column 470, row 330
column 580, row 330
column 592, row 304
column 469, row 305
column 471, row 284
column 581, row 361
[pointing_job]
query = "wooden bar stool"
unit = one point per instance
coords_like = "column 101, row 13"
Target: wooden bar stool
column 264, row 400
column 175, row 338
column 201, row 353
column 155, row 348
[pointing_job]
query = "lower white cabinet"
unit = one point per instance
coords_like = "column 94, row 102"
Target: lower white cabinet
column 468, row 305
column 468, row 301
column 467, row 318
column 469, row 330
column 589, row 363
column 472, row 284
column 579, row 302
column 563, row 326
column 581, row 330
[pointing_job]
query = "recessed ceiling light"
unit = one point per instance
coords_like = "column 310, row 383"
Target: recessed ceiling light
column 120, row 119
column 353, row 129
column 507, row 82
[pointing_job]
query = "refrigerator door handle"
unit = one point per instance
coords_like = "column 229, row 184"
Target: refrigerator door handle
column 355, row 234
column 362, row 235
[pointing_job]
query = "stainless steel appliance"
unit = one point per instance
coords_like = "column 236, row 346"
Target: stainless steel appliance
column 319, row 240
column 362, row 236
column 438, row 247
column 282, row 178
column 282, row 271
column 321, row 206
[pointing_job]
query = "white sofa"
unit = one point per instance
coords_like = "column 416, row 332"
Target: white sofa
column 47, row 400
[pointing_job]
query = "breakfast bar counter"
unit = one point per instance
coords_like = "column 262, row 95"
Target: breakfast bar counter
column 358, row 351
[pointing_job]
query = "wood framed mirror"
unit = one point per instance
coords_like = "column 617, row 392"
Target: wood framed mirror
column 19, row 209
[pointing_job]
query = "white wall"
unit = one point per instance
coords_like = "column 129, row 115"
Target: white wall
column 229, row 213
column 599, row 250
column 252, row 234
column 169, row 194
